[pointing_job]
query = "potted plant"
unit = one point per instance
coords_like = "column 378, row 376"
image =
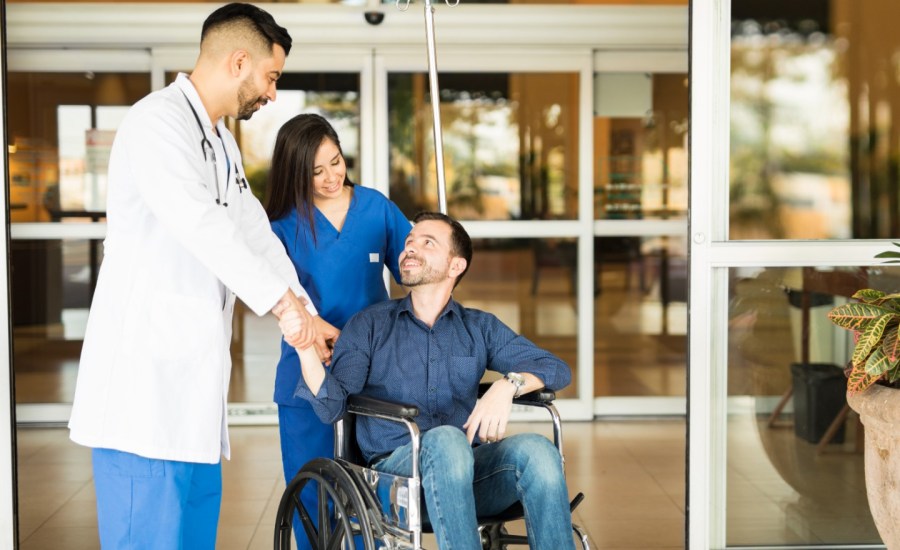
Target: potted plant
column 873, row 376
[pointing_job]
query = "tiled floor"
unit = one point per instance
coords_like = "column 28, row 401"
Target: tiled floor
column 778, row 490
column 632, row 473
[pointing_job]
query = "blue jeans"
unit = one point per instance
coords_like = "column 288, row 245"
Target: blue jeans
column 460, row 482
column 146, row 503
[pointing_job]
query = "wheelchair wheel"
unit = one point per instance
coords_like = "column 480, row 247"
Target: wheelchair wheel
column 492, row 536
column 336, row 491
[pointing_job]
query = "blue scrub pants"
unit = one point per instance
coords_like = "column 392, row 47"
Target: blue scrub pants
column 150, row 503
column 303, row 438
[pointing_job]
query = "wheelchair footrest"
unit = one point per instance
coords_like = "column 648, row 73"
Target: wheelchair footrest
column 576, row 501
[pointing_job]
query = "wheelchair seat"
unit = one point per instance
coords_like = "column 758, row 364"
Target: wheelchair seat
column 366, row 506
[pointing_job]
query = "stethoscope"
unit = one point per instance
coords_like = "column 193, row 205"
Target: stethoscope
column 205, row 146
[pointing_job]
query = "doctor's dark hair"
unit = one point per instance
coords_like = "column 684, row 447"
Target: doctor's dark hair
column 460, row 242
column 257, row 21
column 293, row 163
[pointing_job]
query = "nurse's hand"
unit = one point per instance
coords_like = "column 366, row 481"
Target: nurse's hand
column 326, row 336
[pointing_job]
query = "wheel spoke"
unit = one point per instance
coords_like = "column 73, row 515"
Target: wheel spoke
column 334, row 488
column 323, row 515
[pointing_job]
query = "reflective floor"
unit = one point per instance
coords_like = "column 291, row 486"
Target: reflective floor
column 779, row 491
column 632, row 473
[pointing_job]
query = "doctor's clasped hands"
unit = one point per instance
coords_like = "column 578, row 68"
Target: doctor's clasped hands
column 301, row 329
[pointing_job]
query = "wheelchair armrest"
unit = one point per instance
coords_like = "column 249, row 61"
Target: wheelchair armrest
column 536, row 398
column 368, row 406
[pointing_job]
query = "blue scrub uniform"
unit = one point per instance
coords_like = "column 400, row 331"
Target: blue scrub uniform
column 343, row 272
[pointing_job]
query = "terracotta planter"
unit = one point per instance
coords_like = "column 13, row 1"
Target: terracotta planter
column 879, row 410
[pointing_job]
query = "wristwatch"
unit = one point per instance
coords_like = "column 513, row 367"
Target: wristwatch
column 516, row 380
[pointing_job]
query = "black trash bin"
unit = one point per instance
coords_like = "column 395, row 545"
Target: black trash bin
column 820, row 392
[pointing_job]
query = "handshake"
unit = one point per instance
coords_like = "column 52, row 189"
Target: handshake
column 302, row 330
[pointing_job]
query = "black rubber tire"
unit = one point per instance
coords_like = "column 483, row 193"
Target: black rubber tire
column 338, row 492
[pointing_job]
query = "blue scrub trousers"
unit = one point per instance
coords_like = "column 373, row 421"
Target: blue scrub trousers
column 303, row 438
column 150, row 503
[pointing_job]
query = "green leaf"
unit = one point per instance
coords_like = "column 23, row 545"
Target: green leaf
column 870, row 338
column 890, row 254
column 878, row 364
column 868, row 295
column 859, row 379
column 856, row 316
column 890, row 346
column 893, row 375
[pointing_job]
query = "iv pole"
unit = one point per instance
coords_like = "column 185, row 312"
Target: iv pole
column 435, row 101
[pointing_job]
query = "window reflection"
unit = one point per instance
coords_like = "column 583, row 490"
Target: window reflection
column 52, row 283
column 640, row 144
column 60, row 132
column 783, row 349
column 640, row 318
column 813, row 130
column 510, row 144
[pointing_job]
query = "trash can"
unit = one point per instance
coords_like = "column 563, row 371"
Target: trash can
column 820, row 392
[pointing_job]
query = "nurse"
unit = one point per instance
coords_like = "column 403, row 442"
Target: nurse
column 339, row 236
column 184, row 237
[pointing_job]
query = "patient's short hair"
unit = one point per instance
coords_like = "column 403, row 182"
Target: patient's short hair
column 461, row 243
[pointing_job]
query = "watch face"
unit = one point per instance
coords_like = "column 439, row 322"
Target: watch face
column 516, row 378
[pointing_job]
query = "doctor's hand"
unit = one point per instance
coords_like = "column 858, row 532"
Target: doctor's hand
column 295, row 322
column 326, row 336
column 491, row 413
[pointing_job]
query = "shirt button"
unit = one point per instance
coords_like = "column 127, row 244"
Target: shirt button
column 432, row 390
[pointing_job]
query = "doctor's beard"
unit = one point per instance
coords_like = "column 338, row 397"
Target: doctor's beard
column 248, row 100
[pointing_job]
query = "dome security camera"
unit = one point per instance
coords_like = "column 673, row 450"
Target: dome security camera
column 374, row 17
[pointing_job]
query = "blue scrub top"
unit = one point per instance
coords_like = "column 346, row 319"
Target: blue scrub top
column 341, row 271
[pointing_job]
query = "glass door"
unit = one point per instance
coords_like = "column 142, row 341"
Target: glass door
column 517, row 151
column 68, row 105
column 640, row 127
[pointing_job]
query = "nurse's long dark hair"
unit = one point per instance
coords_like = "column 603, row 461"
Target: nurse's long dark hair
column 293, row 161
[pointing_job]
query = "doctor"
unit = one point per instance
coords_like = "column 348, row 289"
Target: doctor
column 185, row 235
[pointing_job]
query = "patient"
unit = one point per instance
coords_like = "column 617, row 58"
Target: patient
column 429, row 351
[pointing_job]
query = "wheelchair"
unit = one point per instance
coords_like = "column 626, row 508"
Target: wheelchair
column 359, row 507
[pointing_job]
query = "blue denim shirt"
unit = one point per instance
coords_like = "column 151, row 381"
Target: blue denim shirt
column 384, row 351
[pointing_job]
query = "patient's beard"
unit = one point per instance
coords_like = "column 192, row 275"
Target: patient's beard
column 427, row 274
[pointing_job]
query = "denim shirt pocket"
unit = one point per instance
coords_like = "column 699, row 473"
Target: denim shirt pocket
column 464, row 376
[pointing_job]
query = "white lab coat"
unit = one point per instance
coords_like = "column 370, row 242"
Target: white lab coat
column 155, row 367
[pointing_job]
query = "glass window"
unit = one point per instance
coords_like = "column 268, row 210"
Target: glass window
column 510, row 144
column 813, row 136
column 792, row 479
column 60, row 133
column 640, row 146
column 640, row 321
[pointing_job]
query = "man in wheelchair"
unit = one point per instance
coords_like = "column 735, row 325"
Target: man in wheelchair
column 429, row 351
